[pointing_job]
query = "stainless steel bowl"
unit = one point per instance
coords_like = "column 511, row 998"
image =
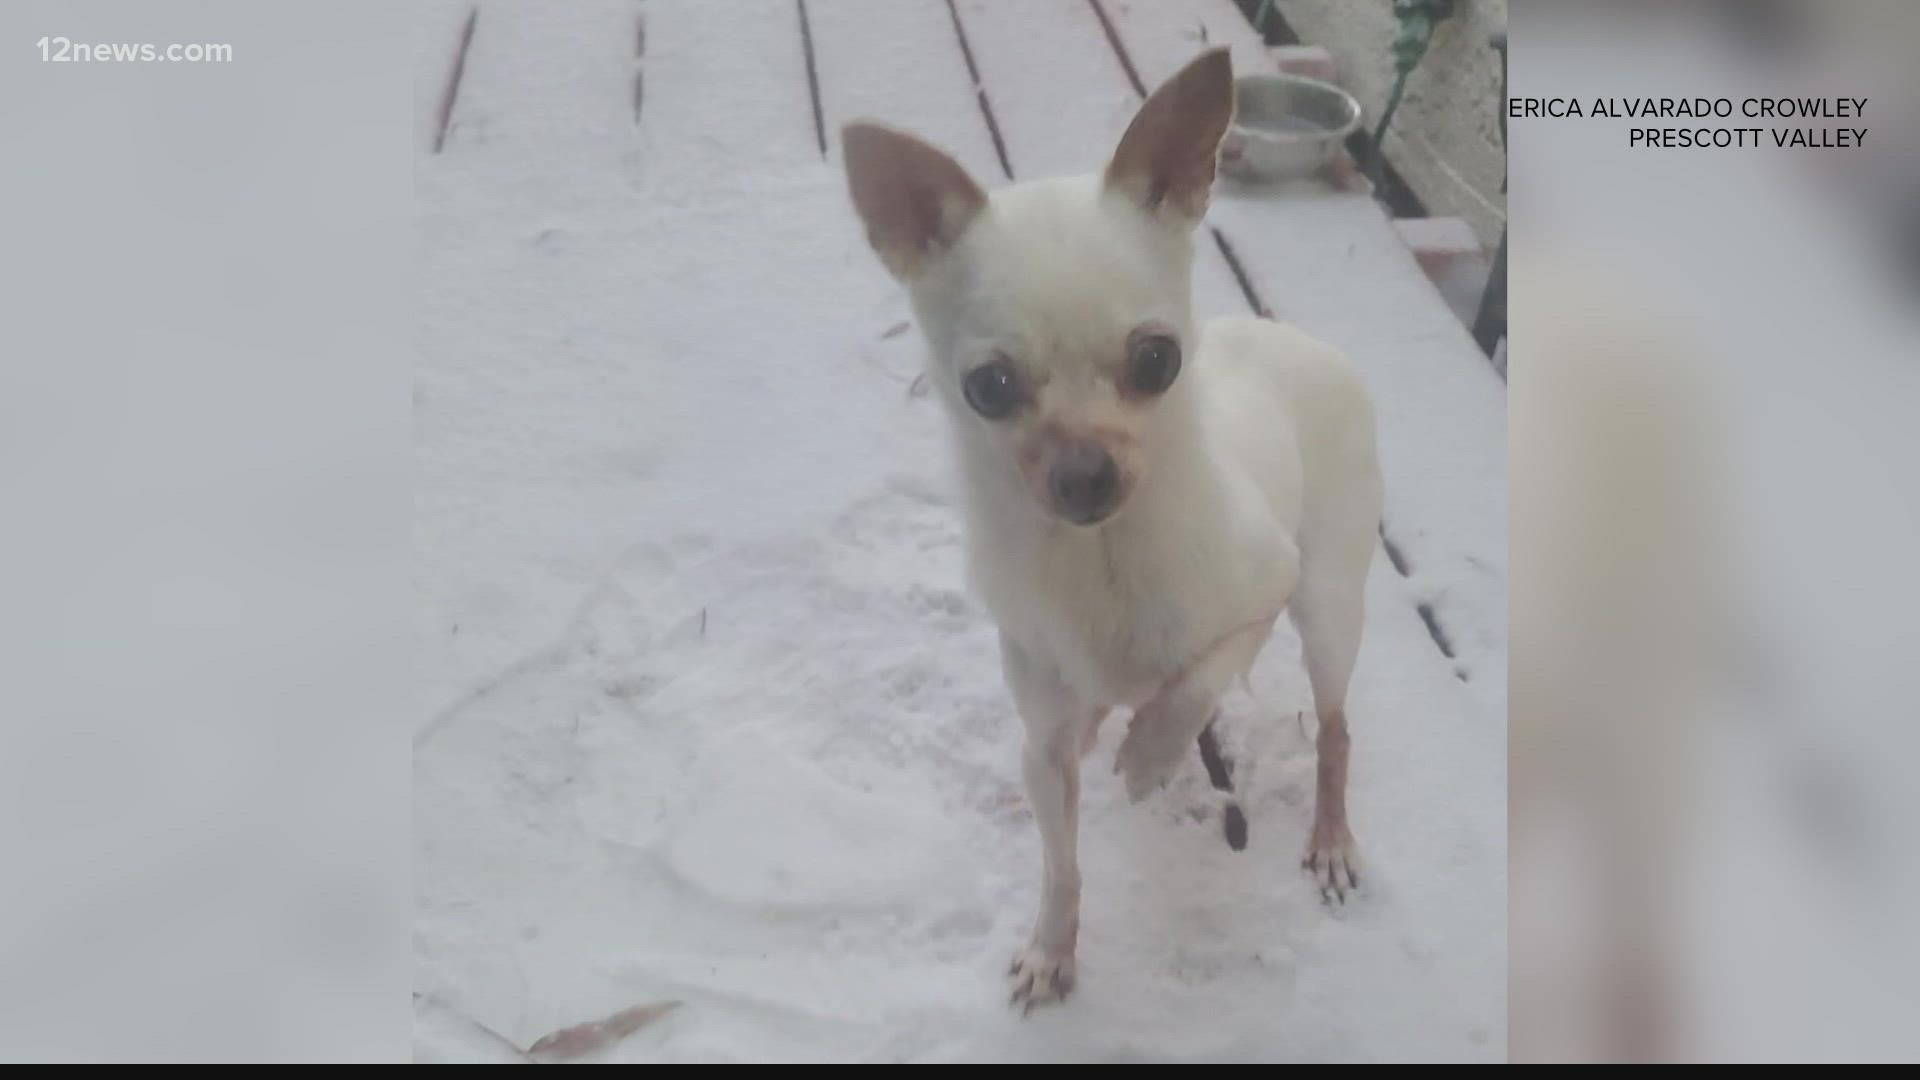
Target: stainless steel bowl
column 1285, row 126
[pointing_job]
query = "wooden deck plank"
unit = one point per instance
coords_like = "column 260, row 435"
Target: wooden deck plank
column 537, row 75
column 899, row 63
column 728, row 77
column 1019, row 46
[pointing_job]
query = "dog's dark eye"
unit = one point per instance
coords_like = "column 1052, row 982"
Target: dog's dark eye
column 1153, row 365
column 992, row 389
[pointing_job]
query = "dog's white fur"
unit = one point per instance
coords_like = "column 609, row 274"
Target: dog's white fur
column 1250, row 485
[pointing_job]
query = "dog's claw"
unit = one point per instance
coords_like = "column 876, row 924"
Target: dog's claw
column 1332, row 862
column 1040, row 978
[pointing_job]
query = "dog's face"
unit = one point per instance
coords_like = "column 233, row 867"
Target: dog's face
column 1058, row 329
column 1057, row 312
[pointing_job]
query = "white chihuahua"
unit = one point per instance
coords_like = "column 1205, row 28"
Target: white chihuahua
column 1142, row 499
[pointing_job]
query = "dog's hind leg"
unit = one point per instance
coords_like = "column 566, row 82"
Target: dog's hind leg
column 1329, row 623
column 1328, row 609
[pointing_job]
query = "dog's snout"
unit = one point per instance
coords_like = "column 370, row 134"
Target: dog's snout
column 1085, row 480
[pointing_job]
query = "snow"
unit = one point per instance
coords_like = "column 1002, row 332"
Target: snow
column 707, row 713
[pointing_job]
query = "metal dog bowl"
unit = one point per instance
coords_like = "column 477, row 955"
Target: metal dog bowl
column 1285, row 126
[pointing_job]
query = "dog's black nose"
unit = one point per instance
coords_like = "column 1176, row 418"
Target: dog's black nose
column 1084, row 481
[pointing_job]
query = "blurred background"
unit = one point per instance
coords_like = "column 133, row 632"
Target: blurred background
column 1714, row 375
column 206, row 306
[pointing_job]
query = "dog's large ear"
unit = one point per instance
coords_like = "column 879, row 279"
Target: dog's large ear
column 915, row 200
column 1165, row 161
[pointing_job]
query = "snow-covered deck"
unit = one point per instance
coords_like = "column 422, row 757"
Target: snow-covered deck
column 706, row 713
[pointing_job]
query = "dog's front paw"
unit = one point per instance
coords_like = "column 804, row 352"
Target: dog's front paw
column 1040, row 976
column 1148, row 757
column 1333, row 861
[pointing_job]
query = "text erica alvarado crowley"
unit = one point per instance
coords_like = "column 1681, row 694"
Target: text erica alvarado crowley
column 1795, row 120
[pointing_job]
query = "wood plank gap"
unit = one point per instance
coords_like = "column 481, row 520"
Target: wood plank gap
column 813, row 79
column 453, row 82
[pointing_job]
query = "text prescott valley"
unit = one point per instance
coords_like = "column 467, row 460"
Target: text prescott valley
column 1798, row 111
